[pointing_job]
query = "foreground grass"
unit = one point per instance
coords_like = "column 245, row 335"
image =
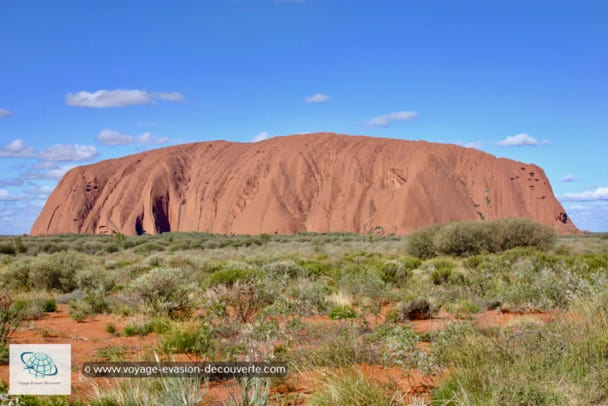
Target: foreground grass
column 560, row 363
column 249, row 298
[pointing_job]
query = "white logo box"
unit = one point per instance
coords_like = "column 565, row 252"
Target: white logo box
column 40, row 369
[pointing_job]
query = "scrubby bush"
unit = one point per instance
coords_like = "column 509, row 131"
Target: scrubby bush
column 474, row 237
column 49, row 305
column 96, row 277
column 464, row 239
column 57, row 271
column 415, row 309
column 362, row 282
column 188, row 339
column 163, row 290
column 81, row 310
column 17, row 274
column 229, row 277
column 521, row 232
column 342, row 312
column 395, row 272
column 285, row 268
column 158, row 325
column 308, row 297
column 421, row 243
column 441, row 271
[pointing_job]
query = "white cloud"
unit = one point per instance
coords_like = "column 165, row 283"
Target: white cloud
column 54, row 173
column 39, row 191
column 569, row 178
column 520, row 140
column 600, row 193
column 5, row 112
column 472, row 144
column 68, row 152
column 118, row 98
column 169, row 96
column 317, row 98
column 592, row 216
column 16, row 149
column 5, row 196
column 151, row 139
column 385, row 120
column 260, row 137
column 111, row 138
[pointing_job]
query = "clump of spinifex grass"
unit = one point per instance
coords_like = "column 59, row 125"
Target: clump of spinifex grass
column 351, row 388
column 558, row 363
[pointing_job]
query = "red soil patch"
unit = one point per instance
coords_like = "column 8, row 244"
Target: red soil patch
column 496, row 318
column 86, row 338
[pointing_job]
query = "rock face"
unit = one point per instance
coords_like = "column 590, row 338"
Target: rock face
column 315, row 182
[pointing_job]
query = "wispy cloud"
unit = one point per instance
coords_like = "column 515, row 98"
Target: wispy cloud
column 5, row 196
column 317, row 98
column 472, row 144
column 386, row 119
column 260, row 137
column 118, row 98
column 69, row 152
column 5, row 112
column 17, row 149
column 569, row 178
column 521, row 140
column 112, row 137
column 40, row 171
column 600, row 193
column 591, row 215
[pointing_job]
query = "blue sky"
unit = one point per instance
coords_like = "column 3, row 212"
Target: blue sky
column 83, row 81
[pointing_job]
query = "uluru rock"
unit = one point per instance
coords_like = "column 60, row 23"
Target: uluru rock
column 320, row 182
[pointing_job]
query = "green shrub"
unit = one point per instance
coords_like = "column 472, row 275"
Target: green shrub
column 18, row 244
column 57, row 271
column 342, row 312
column 442, row 271
column 474, row 237
column 111, row 328
column 17, row 274
column 163, row 290
column 7, row 249
column 521, row 232
column 316, row 269
column 362, row 282
column 147, row 248
column 229, row 277
column 421, row 243
column 137, row 329
column 464, row 239
column 286, row 268
column 49, row 305
column 395, row 272
column 95, row 277
column 80, row 310
column 188, row 340
column 157, row 325
column 10, row 317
